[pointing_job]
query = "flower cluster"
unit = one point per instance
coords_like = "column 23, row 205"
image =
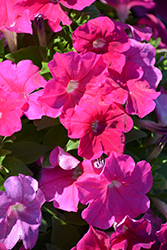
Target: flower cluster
column 84, row 84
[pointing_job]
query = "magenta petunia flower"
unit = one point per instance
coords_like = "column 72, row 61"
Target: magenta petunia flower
column 10, row 112
column 132, row 234
column 20, row 211
column 58, row 183
column 73, row 76
column 162, row 236
column 123, row 6
column 129, row 87
column 99, row 126
column 118, row 191
column 102, row 36
column 23, row 78
column 51, row 10
column 93, row 240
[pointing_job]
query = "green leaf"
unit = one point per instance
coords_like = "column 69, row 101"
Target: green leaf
column 74, row 218
column 28, row 152
column 31, row 53
column 46, row 122
column 51, row 247
column 43, row 238
column 134, row 134
column 1, row 183
column 45, row 68
column 16, row 166
column 159, row 181
column 72, row 144
column 56, row 136
column 29, row 133
column 2, row 46
column 64, row 236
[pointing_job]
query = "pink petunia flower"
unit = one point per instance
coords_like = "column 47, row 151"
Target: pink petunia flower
column 118, row 191
column 51, row 10
column 93, row 240
column 10, row 113
column 20, row 211
column 2, row 247
column 123, row 6
column 129, row 87
column 23, row 78
column 73, row 76
column 99, row 126
column 11, row 22
column 102, row 36
column 58, row 182
column 132, row 234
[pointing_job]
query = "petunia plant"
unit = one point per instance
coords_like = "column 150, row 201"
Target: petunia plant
column 83, row 125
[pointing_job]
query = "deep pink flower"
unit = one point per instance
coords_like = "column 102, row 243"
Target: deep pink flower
column 102, row 36
column 99, row 126
column 129, row 87
column 123, row 6
column 11, row 22
column 118, row 191
column 162, row 236
column 20, row 213
column 132, row 234
column 10, row 112
column 48, row 9
column 93, row 240
column 58, row 183
column 2, row 247
column 23, row 78
column 51, row 10
column 73, row 76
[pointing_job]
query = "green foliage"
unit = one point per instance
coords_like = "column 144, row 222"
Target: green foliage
column 32, row 53
column 28, row 152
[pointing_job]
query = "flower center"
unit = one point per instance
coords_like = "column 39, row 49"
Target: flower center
column 94, row 125
column 99, row 43
column 19, row 207
column 72, row 85
column 99, row 163
column 115, row 183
